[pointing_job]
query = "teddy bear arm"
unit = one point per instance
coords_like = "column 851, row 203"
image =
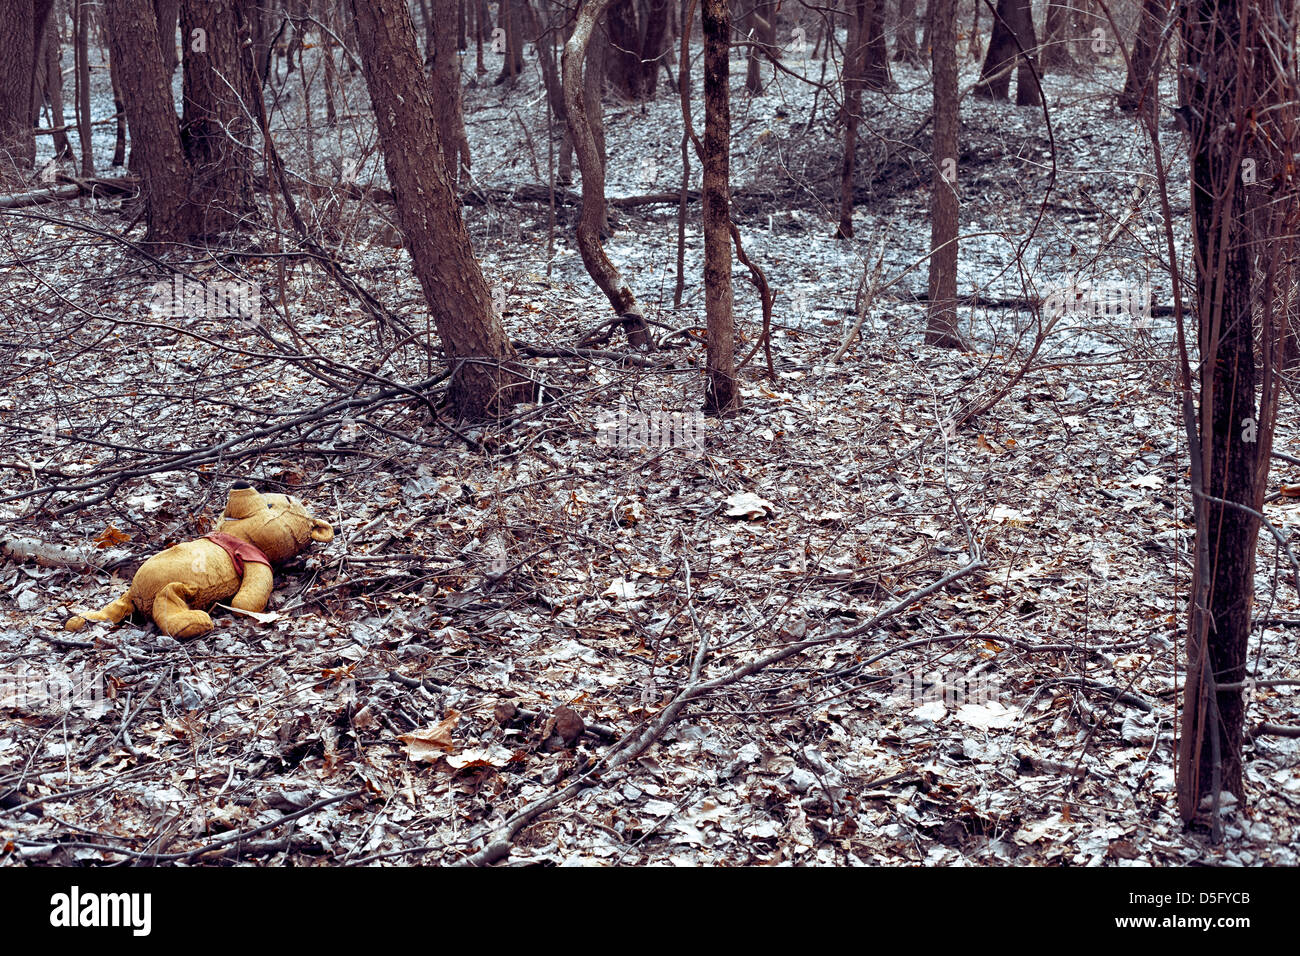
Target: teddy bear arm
column 256, row 589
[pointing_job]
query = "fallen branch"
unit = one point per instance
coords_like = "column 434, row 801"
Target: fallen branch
column 72, row 188
column 1277, row 730
column 47, row 555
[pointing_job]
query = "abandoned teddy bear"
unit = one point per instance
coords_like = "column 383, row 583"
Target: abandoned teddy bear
column 231, row 564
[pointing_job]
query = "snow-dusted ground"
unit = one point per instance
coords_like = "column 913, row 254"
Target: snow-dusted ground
column 985, row 732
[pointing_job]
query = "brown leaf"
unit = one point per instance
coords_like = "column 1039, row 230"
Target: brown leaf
column 568, row 725
column 110, row 536
column 428, row 744
column 1122, row 850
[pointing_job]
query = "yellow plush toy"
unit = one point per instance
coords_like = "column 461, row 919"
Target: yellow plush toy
column 231, row 564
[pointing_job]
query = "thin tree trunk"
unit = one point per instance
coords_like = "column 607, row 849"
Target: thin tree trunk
column 479, row 9
column 513, row 63
column 119, row 107
column 54, row 87
column 331, row 71
column 151, row 116
column 1144, row 69
column 761, row 22
column 444, row 66
column 941, row 323
column 905, row 48
column 974, row 48
column 1011, row 23
column 591, row 162
column 1056, row 38
column 1219, row 94
column 593, row 88
column 721, row 390
column 544, row 31
column 875, row 62
column 42, row 27
column 82, row 68
column 1026, row 88
column 623, row 68
column 654, row 45
column 484, row 381
column 854, row 54
column 217, row 115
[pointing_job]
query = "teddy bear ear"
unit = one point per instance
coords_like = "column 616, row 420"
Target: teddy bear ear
column 240, row 485
column 321, row 530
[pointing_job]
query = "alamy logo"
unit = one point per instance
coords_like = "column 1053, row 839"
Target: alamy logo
column 53, row 690
column 75, row 909
column 207, row 300
column 629, row 429
column 1089, row 299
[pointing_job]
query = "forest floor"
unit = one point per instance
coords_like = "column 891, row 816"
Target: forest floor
column 416, row 682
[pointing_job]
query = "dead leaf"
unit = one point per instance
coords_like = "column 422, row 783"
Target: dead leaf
column 746, row 504
column 110, row 536
column 477, row 757
column 261, row 617
column 430, row 744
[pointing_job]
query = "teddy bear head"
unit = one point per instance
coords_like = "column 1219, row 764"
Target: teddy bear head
column 277, row 524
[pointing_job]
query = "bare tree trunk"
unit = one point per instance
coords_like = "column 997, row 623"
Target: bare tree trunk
column 941, row 323
column 974, row 48
column 905, row 48
column 591, row 162
column 1026, row 88
column 875, row 63
column 167, row 12
column 513, row 63
column 544, row 30
column 1011, row 23
column 1220, row 54
column 119, row 108
column 761, row 23
column 82, row 68
column 17, row 72
column 260, row 34
column 854, row 54
column 479, row 9
column 444, row 66
column 1056, row 38
column 327, row 45
column 41, row 31
column 623, row 68
column 151, row 115
column 721, row 390
column 1144, row 69
column 428, row 210
column 598, row 54
column 54, row 87
column 217, row 113
column 654, row 45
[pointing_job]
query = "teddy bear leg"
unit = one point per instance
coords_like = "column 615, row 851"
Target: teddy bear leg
column 173, row 615
column 115, row 613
